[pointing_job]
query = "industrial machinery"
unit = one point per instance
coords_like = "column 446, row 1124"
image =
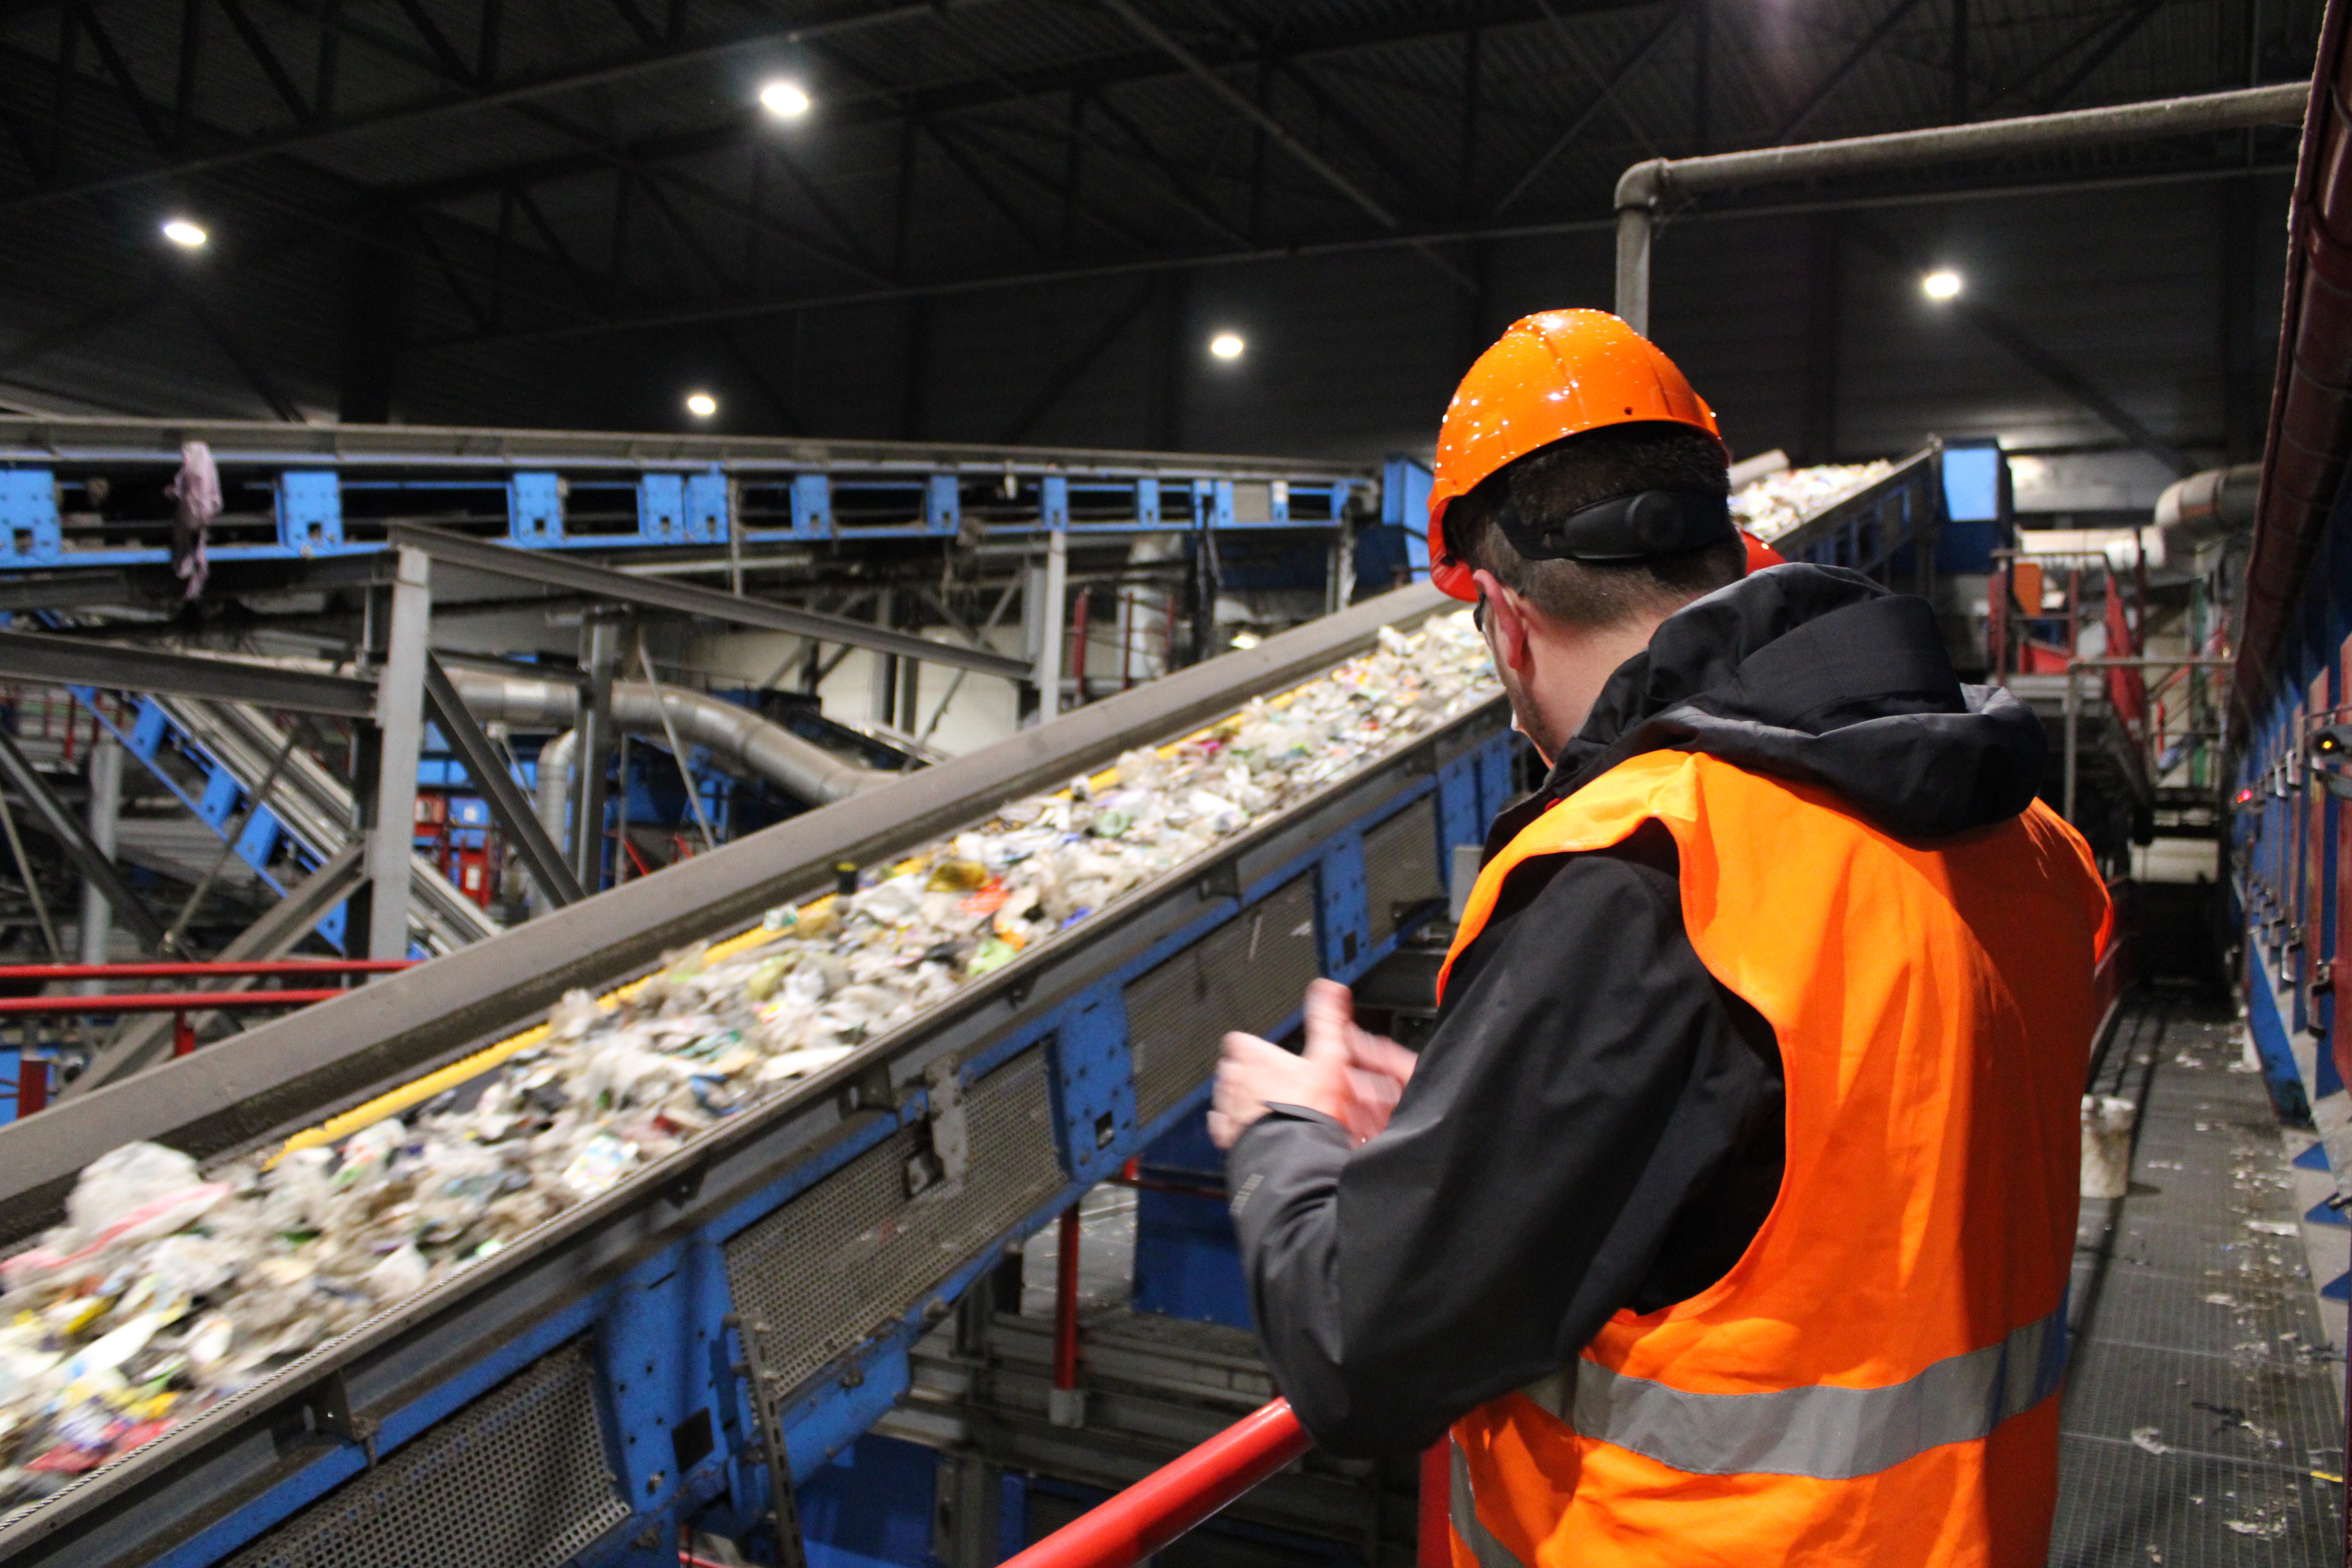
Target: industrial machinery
column 747, row 1304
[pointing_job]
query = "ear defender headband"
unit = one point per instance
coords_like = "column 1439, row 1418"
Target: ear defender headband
column 1623, row 528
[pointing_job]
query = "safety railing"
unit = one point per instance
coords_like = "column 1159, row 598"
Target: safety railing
column 2156, row 738
column 201, row 969
column 31, row 1090
column 1165, row 1504
column 1148, row 1517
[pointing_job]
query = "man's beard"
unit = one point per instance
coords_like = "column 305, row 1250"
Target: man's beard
column 1525, row 719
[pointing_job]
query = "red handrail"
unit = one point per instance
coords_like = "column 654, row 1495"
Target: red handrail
column 166, row 1002
column 196, row 970
column 1163, row 1505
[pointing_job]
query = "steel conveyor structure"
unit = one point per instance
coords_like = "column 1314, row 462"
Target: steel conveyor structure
column 576, row 1395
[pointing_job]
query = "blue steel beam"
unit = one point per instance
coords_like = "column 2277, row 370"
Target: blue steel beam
column 316, row 491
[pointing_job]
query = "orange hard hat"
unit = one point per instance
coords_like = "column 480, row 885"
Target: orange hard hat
column 1760, row 554
column 1550, row 376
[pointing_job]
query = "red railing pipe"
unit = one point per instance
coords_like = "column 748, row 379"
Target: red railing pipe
column 1163, row 1505
column 164, row 1002
column 196, row 970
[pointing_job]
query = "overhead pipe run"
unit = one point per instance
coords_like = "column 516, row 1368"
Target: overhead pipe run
column 2211, row 504
column 743, row 741
column 1646, row 187
column 2218, row 503
column 2310, row 436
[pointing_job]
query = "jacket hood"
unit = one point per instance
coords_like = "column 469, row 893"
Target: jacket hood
column 1818, row 673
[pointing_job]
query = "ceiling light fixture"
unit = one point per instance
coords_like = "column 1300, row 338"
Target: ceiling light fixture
column 1940, row 285
column 184, row 234
column 784, row 99
column 1227, row 346
column 701, row 404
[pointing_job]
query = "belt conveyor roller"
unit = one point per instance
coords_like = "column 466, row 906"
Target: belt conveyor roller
column 573, row 1396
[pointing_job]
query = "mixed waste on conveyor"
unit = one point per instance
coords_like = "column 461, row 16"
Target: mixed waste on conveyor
column 168, row 1288
column 1775, row 504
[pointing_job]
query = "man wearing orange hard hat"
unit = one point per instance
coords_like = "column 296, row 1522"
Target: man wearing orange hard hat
column 1727, row 1216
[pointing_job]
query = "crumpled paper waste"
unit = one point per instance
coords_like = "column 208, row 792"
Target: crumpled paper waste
column 168, row 1288
column 1775, row 503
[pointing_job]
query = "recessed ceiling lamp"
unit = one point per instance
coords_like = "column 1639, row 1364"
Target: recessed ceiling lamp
column 701, row 404
column 184, row 234
column 1227, row 346
column 1943, row 284
column 784, row 99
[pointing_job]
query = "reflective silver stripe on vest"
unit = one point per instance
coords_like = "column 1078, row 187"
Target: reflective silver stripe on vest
column 1834, row 1433
column 1489, row 1552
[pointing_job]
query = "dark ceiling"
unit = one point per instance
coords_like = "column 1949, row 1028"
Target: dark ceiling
column 1019, row 219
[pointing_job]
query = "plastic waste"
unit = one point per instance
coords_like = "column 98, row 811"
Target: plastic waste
column 168, row 1288
column 1771, row 506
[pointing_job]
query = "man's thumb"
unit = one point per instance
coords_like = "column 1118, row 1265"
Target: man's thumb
column 1331, row 1010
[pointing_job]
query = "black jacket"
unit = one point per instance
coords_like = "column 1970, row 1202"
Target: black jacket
column 1596, row 1123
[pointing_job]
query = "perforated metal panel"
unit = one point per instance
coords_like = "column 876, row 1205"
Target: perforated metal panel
column 1401, row 869
column 854, row 1252
column 517, row 1480
column 1247, row 975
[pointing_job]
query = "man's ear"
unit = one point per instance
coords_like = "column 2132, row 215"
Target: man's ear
column 1507, row 620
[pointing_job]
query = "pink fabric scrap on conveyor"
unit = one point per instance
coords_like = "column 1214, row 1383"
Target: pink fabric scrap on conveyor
column 158, row 1216
column 196, row 493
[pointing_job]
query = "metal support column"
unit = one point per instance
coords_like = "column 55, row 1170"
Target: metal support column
column 1049, row 583
column 105, row 809
column 400, row 730
column 884, row 674
column 2074, row 731
column 964, row 1512
column 602, row 633
column 1634, row 262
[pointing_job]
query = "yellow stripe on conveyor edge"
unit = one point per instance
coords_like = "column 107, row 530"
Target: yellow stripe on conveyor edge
column 394, row 1102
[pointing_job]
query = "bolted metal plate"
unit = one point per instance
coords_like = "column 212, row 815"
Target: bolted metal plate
column 1401, row 869
column 854, row 1252
column 1249, row 975
column 517, row 1480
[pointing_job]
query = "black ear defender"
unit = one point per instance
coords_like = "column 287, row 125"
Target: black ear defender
column 1624, row 528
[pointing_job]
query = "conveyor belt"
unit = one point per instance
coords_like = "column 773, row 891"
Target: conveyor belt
column 449, row 1429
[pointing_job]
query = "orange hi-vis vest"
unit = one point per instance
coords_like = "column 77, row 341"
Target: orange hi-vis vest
column 1874, row 1382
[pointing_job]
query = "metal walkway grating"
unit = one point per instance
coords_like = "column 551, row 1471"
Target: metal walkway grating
column 2202, row 1398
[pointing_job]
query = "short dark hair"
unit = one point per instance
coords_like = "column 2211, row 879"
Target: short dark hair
column 1568, row 475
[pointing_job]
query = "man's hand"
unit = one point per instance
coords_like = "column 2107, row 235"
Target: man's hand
column 1354, row 1078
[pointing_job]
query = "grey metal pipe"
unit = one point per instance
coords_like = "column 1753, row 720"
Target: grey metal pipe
column 105, row 810
column 2211, row 504
column 799, row 767
column 553, row 801
column 746, row 742
column 2073, row 737
column 1644, row 185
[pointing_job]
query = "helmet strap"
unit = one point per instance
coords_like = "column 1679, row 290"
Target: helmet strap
column 1623, row 528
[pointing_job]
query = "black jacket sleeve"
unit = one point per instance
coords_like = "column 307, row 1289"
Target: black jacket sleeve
column 1595, row 1124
